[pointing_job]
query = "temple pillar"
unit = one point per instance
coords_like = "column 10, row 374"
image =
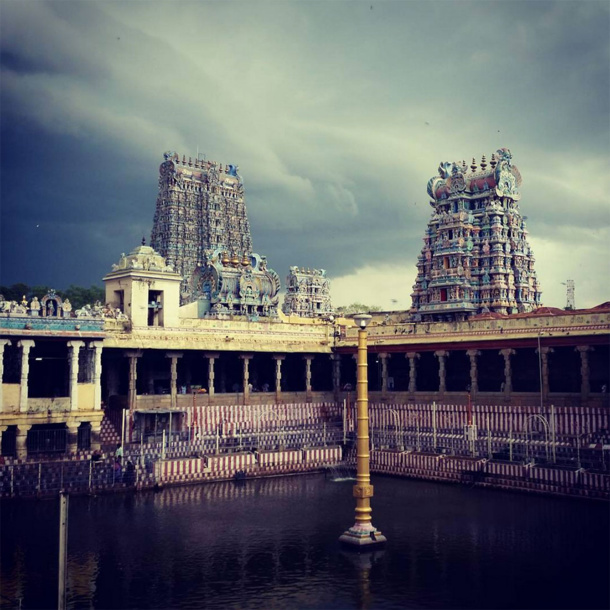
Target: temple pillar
column 246, row 378
column 73, row 352
column 474, row 373
column 442, row 373
column 26, row 345
column 72, row 438
column 97, row 374
column 278, row 375
column 336, row 359
column 211, row 360
column 384, row 373
column 3, row 342
column 21, row 441
column 308, row 389
column 413, row 357
column 508, row 377
column 544, row 356
column 173, row 376
column 585, row 380
column 133, row 376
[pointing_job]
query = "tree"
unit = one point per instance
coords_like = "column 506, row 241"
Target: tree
column 15, row 292
column 348, row 310
column 78, row 295
column 39, row 291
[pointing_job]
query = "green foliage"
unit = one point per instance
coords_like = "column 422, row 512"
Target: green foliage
column 78, row 295
column 357, row 308
column 15, row 292
column 38, row 291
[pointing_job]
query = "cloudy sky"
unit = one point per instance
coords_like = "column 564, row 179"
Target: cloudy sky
column 337, row 113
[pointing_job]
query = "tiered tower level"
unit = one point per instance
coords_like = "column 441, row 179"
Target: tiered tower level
column 476, row 258
column 307, row 293
column 200, row 210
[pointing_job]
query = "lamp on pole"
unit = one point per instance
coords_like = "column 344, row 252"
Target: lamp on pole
column 362, row 534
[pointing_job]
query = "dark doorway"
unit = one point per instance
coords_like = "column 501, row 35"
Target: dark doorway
column 457, row 367
column 48, row 376
column 427, row 372
column 491, row 371
column 525, row 370
column 564, row 370
column 398, row 372
column 322, row 373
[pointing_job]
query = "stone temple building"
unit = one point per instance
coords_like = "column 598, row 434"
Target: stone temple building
column 191, row 353
column 476, row 257
column 201, row 229
column 307, row 293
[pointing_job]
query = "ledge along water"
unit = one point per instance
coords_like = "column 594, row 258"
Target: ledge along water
column 272, row 543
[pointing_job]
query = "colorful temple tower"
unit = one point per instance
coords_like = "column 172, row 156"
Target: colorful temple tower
column 200, row 208
column 201, row 228
column 476, row 258
column 307, row 293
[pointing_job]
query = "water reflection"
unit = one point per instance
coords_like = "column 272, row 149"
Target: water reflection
column 363, row 563
column 274, row 544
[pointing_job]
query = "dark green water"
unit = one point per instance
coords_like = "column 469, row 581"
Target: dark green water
column 273, row 544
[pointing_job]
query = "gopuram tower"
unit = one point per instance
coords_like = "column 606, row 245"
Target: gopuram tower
column 201, row 229
column 476, row 258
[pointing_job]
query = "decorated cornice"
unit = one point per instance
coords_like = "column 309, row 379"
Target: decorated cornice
column 198, row 170
column 454, row 180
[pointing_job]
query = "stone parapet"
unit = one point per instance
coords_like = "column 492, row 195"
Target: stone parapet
column 391, row 331
column 228, row 335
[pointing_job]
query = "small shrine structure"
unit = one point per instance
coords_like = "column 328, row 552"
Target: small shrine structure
column 307, row 293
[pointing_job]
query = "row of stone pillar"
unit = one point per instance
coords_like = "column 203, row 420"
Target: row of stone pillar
column 134, row 355
column 442, row 356
column 72, row 438
column 74, row 347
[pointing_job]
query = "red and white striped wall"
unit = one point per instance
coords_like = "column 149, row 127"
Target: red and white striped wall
column 271, row 458
column 173, row 470
column 322, row 455
column 232, row 462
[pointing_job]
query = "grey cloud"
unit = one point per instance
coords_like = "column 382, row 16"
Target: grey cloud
column 337, row 116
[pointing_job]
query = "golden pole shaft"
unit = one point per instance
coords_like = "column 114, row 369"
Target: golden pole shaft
column 363, row 490
column 362, row 534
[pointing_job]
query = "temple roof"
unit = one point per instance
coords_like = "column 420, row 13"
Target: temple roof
column 145, row 258
column 497, row 177
column 544, row 311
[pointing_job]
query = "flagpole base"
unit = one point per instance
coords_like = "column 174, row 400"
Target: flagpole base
column 362, row 536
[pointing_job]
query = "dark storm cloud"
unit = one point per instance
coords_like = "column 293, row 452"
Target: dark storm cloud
column 336, row 114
